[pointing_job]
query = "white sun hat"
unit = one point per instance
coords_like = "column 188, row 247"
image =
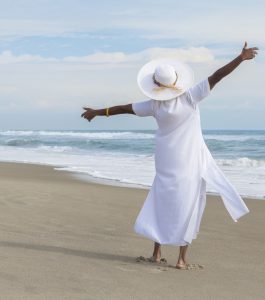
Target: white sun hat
column 165, row 79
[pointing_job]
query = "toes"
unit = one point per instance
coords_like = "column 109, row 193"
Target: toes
column 153, row 259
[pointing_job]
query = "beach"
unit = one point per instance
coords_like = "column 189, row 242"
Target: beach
column 65, row 238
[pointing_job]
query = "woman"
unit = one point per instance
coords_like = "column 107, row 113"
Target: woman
column 175, row 203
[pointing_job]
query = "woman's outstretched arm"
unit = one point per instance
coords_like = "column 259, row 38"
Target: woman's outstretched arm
column 90, row 113
column 246, row 53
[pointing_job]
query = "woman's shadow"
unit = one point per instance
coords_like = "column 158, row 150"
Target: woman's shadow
column 68, row 251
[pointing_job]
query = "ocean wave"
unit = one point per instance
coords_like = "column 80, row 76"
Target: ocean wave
column 78, row 134
column 36, row 144
column 102, row 135
column 17, row 133
column 247, row 174
column 232, row 138
column 222, row 136
column 57, row 149
column 21, row 142
column 241, row 162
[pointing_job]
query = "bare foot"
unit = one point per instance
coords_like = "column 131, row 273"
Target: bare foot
column 157, row 259
column 154, row 259
column 182, row 266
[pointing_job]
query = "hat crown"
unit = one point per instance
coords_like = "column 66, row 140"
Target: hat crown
column 165, row 74
column 164, row 79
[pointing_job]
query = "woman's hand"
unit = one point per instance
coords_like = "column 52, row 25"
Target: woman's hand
column 89, row 113
column 248, row 53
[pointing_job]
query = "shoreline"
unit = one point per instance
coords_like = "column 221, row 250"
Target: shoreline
column 106, row 181
column 126, row 158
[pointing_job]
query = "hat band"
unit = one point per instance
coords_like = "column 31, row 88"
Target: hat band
column 169, row 86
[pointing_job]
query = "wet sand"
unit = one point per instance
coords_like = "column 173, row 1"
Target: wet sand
column 64, row 238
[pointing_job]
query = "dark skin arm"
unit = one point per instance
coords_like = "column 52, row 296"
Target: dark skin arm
column 246, row 54
column 90, row 113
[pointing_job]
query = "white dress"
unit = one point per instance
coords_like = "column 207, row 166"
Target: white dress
column 174, row 206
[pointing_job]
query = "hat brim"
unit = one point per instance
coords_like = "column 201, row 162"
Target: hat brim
column 151, row 90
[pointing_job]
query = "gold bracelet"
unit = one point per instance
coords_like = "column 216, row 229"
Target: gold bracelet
column 107, row 112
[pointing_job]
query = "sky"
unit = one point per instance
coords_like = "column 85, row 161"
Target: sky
column 58, row 56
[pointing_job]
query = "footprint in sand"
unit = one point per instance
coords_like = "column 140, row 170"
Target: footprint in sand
column 163, row 264
column 142, row 259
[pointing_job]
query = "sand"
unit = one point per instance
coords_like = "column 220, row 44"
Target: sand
column 64, row 238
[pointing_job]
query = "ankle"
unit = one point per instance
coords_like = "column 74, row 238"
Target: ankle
column 157, row 250
column 181, row 262
column 157, row 254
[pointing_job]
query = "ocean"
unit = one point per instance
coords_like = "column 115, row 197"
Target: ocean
column 127, row 157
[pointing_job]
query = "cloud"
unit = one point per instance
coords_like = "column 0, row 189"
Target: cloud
column 44, row 86
column 192, row 54
column 192, row 23
column 102, row 78
column 7, row 57
column 48, row 79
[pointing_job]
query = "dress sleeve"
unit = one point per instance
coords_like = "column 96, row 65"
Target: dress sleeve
column 144, row 108
column 199, row 91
